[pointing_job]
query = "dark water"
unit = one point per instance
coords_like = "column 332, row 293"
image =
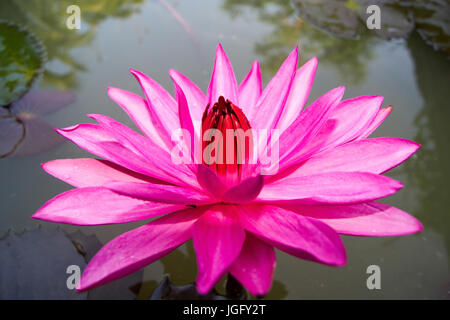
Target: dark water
column 152, row 37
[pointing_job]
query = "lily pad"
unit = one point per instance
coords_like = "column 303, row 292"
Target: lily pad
column 23, row 132
column 34, row 265
column 12, row 133
column 22, row 60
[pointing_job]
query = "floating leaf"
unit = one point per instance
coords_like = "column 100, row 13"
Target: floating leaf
column 12, row 133
column 23, row 132
column 22, row 58
column 39, row 137
column 43, row 102
column 126, row 288
column 34, row 265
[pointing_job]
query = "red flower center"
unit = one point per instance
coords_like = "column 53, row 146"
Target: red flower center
column 226, row 140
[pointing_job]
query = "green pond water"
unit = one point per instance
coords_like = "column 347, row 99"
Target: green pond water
column 154, row 36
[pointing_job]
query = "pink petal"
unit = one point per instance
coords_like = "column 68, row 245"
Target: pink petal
column 250, row 89
column 159, row 193
column 306, row 127
column 223, row 81
column 186, row 122
column 161, row 104
column 117, row 143
column 303, row 237
column 245, row 191
column 271, row 103
column 218, row 239
column 298, row 95
column 137, row 248
column 138, row 111
column 209, row 181
column 365, row 219
column 375, row 155
column 381, row 115
column 97, row 205
column 196, row 99
column 100, row 142
column 331, row 188
column 91, row 172
column 255, row 265
column 352, row 118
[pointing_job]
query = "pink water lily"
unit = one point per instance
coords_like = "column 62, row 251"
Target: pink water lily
column 327, row 179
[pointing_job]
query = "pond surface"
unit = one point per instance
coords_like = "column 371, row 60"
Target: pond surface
column 154, row 36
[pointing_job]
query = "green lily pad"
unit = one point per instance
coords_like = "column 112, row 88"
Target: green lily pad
column 22, row 57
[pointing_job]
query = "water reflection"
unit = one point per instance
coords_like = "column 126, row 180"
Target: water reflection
column 336, row 30
column 46, row 19
column 348, row 18
column 350, row 58
column 430, row 173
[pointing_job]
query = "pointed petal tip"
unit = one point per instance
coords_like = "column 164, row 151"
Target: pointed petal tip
column 220, row 51
column 418, row 146
column 36, row 216
column 137, row 74
column 396, row 185
column 81, row 287
column 294, row 54
column 61, row 131
column 93, row 116
column 112, row 90
column 379, row 99
column 342, row 262
column 311, row 63
column 255, row 69
column 419, row 226
column 44, row 166
column 339, row 91
column 173, row 73
column 203, row 289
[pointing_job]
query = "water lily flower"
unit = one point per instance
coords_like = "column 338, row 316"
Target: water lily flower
column 327, row 178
